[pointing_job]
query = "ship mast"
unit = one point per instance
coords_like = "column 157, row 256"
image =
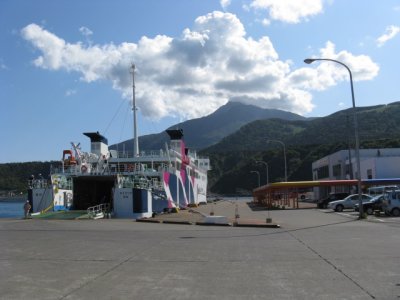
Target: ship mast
column 134, row 109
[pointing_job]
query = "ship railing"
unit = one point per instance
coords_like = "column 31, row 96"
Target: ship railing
column 129, row 182
column 203, row 157
column 71, row 170
column 98, row 211
column 144, row 154
column 89, row 169
column 192, row 153
column 156, row 184
column 38, row 183
column 124, row 168
column 142, row 183
column 61, row 182
column 203, row 163
column 135, row 168
column 64, row 185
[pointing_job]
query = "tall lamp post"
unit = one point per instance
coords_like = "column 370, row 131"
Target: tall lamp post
column 258, row 176
column 357, row 150
column 284, row 154
column 266, row 167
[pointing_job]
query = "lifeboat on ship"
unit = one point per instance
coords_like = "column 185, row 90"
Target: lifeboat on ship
column 69, row 158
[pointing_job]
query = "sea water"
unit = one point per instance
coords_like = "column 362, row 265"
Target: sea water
column 12, row 208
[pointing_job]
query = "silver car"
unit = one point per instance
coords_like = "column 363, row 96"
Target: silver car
column 348, row 202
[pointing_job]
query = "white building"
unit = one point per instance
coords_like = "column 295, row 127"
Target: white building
column 374, row 164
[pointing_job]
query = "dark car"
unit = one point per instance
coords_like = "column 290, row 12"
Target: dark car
column 323, row 203
column 372, row 205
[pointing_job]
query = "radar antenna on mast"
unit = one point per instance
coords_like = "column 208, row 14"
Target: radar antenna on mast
column 134, row 109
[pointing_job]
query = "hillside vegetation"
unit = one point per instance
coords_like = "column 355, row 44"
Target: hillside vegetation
column 14, row 176
column 235, row 156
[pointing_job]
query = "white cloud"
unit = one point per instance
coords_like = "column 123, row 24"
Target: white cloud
column 327, row 73
column 391, row 32
column 192, row 75
column 225, row 3
column 246, row 7
column 70, row 92
column 85, row 31
column 290, row 11
column 266, row 22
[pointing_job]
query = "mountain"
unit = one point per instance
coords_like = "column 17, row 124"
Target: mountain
column 235, row 156
column 374, row 122
column 203, row 132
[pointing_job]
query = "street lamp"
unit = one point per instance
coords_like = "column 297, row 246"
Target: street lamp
column 266, row 167
column 258, row 175
column 284, row 154
column 357, row 150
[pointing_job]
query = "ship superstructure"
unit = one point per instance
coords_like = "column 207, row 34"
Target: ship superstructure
column 127, row 184
column 132, row 186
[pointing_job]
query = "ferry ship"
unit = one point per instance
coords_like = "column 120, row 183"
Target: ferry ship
column 123, row 184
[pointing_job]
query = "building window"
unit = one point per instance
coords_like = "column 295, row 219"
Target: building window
column 323, row 172
column 337, row 171
column 369, row 173
column 348, row 171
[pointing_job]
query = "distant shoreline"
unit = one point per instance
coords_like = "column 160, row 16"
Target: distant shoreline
column 13, row 199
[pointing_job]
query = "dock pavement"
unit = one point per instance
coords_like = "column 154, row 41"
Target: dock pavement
column 224, row 213
column 219, row 213
column 315, row 254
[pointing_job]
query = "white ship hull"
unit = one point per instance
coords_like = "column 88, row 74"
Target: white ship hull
column 132, row 187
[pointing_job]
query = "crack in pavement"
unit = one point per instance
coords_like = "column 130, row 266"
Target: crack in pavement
column 326, row 260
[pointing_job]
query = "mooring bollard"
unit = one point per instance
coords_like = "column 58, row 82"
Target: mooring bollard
column 237, row 216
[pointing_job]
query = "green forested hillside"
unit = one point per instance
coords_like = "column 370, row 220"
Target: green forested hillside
column 375, row 123
column 231, row 170
column 234, row 157
column 14, row 176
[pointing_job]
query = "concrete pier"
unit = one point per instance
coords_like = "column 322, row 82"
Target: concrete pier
column 314, row 255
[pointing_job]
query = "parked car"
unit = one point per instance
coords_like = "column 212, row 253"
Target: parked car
column 369, row 207
column 391, row 203
column 348, row 202
column 332, row 197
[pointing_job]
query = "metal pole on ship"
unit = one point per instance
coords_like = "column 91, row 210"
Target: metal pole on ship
column 134, row 109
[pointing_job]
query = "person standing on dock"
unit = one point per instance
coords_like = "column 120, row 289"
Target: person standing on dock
column 27, row 208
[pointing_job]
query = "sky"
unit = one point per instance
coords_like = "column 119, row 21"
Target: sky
column 65, row 65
